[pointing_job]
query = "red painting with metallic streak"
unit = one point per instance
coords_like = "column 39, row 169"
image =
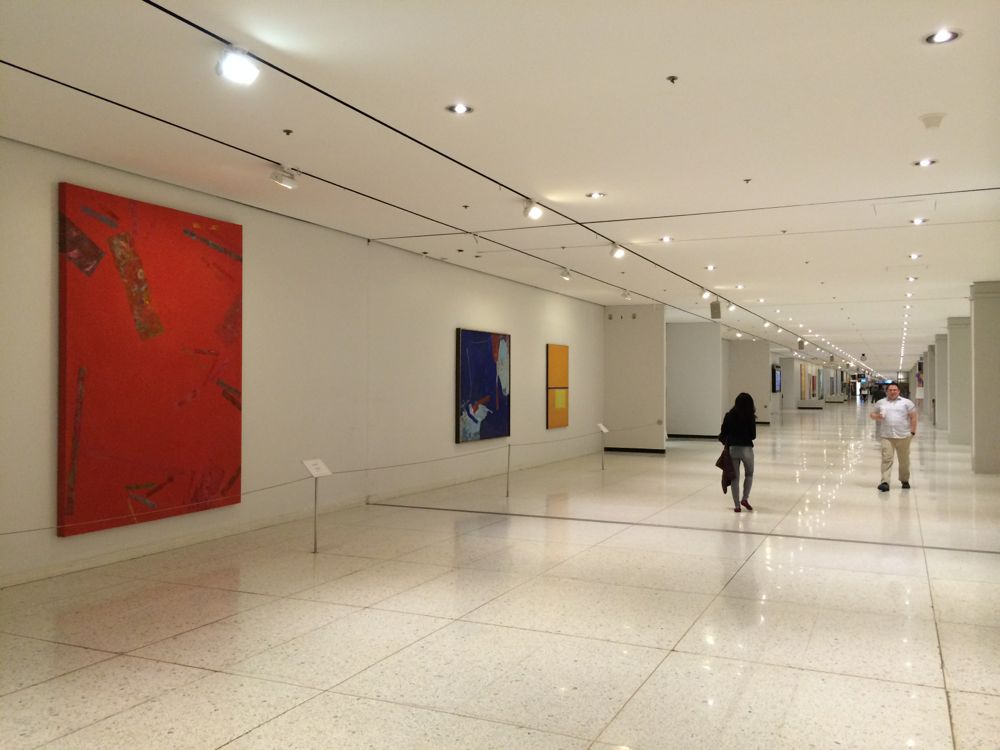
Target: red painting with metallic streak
column 150, row 361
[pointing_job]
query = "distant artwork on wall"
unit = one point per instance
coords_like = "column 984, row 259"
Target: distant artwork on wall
column 557, row 386
column 150, row 368
column 483, row 385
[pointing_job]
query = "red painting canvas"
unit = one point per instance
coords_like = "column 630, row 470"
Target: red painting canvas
column 150, row 361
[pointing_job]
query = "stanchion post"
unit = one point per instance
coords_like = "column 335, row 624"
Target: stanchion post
column 604, row 442
column 508, row 469
column 317, row 469
column 315, row 514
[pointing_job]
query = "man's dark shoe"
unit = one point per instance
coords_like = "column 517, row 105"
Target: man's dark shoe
column 906, row 485
column 884, row 487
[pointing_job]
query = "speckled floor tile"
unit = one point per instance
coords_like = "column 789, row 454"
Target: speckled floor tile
column 16, row 600
column 658, row 570
column 549, row 530
column 971, row 657
column 822, row 553
column 623, row 614
column 976, row 720
column 341, row 721
column 686, row 542
column 51, row 709
column 553, row 683
column 27, row 661
column 453, row 594
column 456, row 552
column 967, row 602
column 123, row 618
column 221, row 643
column 696, row 702
column 376, row 541
column 963, row 566
column 523, row 557
column 326, row 656
column 375, row 583
column 863, row 644
column 268, row 571
column 205, row 714
column 829, row 588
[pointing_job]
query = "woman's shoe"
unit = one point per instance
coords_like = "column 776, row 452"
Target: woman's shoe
column 737, row 509
column 746, row 505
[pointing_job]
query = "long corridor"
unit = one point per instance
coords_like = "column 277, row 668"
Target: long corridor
column 623, row 607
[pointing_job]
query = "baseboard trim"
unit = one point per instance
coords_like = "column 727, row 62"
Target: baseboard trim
column 635, row 450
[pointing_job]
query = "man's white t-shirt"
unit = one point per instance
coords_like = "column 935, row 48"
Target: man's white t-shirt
column 896, row 413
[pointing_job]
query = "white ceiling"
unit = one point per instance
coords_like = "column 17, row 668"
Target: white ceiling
column 782, row 154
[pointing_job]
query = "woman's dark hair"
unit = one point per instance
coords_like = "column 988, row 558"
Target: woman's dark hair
column 744, row 406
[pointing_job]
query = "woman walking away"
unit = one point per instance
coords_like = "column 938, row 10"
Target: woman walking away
column 739, row 429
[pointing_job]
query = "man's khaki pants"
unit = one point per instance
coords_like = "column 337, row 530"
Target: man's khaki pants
column 901, row 447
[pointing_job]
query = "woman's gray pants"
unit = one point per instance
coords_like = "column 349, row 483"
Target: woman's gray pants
column 742, row 454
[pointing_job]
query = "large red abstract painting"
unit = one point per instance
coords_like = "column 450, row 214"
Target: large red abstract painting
column 150, row 361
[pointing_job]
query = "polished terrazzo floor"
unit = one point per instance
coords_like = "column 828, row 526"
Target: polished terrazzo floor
column 623, row 608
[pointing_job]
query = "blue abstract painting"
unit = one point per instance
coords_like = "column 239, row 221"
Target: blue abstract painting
column 483, row 385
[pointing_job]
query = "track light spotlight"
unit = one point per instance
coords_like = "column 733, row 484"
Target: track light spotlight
column 706, row 294
column 617, row 252
column 532, row 210
column 285, row 177
column 565, row 275
column 237, row 66
column 732, row 307
column 626, row 295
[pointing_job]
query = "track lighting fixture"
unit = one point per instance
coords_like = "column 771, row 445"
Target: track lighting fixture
column 617, row 252
column 732, row 307
column 565, row 275
column 532, row 210
column 236, row 65
column 626, row 295
column 706, row 294
column 285, row 177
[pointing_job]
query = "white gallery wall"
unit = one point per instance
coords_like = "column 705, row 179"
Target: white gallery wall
column 348, row 355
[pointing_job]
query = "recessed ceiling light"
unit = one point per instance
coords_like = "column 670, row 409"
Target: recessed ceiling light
column 767, row 324
column 739, row 335
column 918, row 221
column 709, row 268
column 942, row 36
column 666, row 238
column 237, row 66
column 460, row 109
column 909, row 294
column 533, row 211
column 911, row 278
column 781, row 330
column 925, row 162
column 800, row 325
column 739, row 286
column 914, row 256
column 596, row 196
column 617, row 252
column 760, row 299
column 908, row 307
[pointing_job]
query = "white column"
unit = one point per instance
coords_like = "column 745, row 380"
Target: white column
column 985, row 299
column 750, row 372
column 930, row 383
column 941, row 389
column 959, row 381
column 634, row 393
column 694, row 379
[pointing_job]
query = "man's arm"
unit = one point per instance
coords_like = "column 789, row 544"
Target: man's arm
column 913, row 422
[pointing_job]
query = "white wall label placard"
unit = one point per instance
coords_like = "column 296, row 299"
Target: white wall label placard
column 316, row 467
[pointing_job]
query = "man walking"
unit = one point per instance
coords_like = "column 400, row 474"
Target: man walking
column 897, row 424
